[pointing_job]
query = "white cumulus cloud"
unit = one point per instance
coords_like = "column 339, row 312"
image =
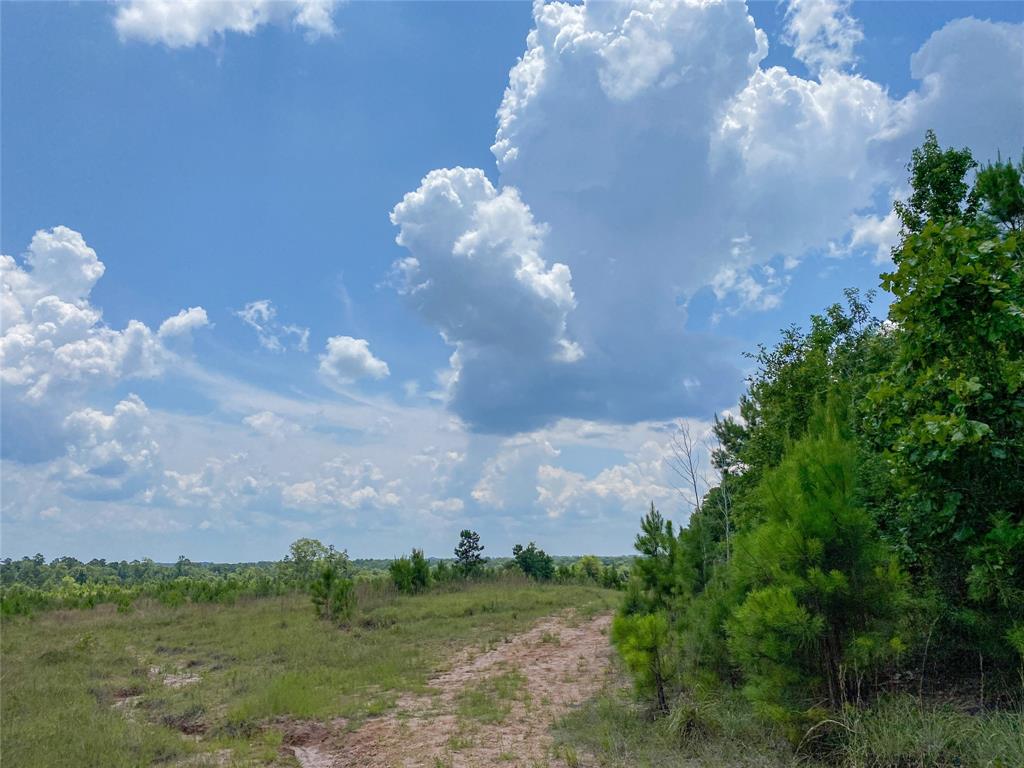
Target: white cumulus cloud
column 823, row 33
column 346, row 360
column 187, row 23
column 184, row 322
column 645, row 156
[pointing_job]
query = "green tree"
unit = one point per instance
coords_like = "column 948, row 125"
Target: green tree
column 420, row 571
column 304, row 556
column 999, row 190
column 332, row 590
column 818, row 580
column 589, row 567
column 534, row 562
column 400, row 570
column 468, row 553
column 947, row 414
column 939, row 188
column 643, row 643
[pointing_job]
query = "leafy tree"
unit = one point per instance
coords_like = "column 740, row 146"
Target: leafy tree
column 589, row 567
column 420, row 571
column 468, row 557
column 998, row 188
column 304, row 556
column 940, row 191
column 534, row 562
column 834, row 358
column 401, row 574
column 947, row 413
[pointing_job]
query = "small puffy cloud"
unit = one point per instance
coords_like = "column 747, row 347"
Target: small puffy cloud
column 449, row 507
column 344, row 483
column 346, row 360
column 261, row 316
column 823, row 33
column 184, row 322
column 187, row 23
column 877, row 233
column 109, row 455
column 270, row 424
column 53, row 336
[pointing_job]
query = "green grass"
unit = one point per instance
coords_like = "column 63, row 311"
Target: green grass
column 721, row 731
column 490, row 700
column 619, row 733
column 257, row 660
column 898, row 732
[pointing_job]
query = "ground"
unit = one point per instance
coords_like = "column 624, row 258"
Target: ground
column 487, row 709
column 264, row 683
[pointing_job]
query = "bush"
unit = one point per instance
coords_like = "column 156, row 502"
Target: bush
column 410, row 575
column 333, row 592
column 643, row 643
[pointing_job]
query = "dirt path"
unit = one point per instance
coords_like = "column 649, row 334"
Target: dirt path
column 491, row 709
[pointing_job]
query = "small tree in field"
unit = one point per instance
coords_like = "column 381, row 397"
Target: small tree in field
column 332, row 591
column 534, row 562
column 467, row 553
column 410, row 574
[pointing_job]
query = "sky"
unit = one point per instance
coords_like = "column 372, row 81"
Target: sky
column 377, row 272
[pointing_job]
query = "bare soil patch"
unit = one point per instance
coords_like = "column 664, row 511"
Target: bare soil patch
column 491, row 708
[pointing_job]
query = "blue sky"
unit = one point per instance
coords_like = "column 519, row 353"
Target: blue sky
column 438, row 265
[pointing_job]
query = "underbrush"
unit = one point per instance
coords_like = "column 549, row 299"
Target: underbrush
column 94, row 687
column 901, row 732
column 721, row 729
column 621, row 733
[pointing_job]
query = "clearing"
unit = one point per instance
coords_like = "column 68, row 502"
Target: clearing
column 491, row 708
column 264, row 683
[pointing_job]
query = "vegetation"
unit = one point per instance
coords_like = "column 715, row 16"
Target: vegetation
column 857, row 569
column 469, row 553
column 250, row 666
column 534, row 562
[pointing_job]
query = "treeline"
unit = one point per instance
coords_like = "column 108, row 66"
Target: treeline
column 336, row 591
column 31, row 584
column 866, row 535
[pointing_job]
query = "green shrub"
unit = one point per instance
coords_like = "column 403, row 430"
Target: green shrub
column 333, row 592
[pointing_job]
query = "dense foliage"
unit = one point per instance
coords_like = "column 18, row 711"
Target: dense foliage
column 868, row 523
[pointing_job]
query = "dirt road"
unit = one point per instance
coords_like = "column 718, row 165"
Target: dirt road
column 491, row 709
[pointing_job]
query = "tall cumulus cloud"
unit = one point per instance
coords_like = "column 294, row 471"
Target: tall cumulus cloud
column 645, row 154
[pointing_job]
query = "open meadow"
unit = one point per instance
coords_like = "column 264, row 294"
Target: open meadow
column 228, row 684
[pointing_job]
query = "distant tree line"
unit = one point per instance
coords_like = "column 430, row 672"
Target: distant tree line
column 32, row 584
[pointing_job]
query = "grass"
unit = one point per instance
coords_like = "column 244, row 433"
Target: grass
column 721, row 730
column 621, row 734
column 490, row 700
column 85, row 688
column 898, row 732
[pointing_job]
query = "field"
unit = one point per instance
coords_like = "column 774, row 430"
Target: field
column 251, row 684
